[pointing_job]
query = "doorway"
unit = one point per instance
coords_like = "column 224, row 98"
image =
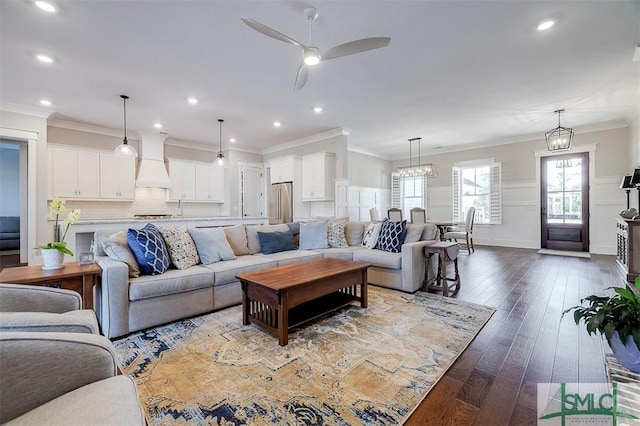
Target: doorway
column 251, row 190
column 564, row 202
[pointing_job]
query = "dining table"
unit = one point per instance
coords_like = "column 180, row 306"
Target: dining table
column 442, row 225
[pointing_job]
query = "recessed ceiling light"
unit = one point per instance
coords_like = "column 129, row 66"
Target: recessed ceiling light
column 317, row 109
column 192, row 101
column 546, row 24
column 46, row 6
column 277, row 124
column 45, row 102
column 157, row 125
column 45, row 58
column 232, row 140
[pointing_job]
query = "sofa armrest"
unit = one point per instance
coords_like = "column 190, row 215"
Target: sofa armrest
column 413, row 265
column 81, row 321
column 113, row 297
column 38, row 367
column 30, row 298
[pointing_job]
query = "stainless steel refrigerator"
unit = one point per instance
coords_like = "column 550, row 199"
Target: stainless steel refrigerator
column 280, row 203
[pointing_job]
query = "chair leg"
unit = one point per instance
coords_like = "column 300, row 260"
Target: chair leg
column 472, row 248
column 468, row 245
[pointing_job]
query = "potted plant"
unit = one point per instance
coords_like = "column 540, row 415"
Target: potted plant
column 618, row 319
column 53, row 252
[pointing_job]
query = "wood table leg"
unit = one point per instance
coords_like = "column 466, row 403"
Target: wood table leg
column 364, row 289
column 245, row 304
column 283, row 320
column 88, row 281
column 443, row 272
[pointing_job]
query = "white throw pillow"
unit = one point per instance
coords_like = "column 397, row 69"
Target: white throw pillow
column 370, row 237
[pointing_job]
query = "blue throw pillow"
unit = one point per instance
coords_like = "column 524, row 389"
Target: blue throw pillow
column 392, row 236
column 294, row 227
column 313, row 235
column 149, row 249
column 273, row 242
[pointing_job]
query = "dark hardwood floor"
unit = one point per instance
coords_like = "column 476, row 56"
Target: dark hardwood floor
column 525, row 342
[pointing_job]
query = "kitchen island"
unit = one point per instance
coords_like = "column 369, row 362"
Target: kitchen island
column 80, row 234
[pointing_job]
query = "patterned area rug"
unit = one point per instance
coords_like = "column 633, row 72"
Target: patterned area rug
column 355, row 366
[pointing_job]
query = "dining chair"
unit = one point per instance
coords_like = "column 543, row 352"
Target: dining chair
column 418, row 215
column 394, row 214
column 374, row 215
column 467, row 233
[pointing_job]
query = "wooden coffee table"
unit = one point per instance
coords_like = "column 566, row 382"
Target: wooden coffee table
column 280, row 298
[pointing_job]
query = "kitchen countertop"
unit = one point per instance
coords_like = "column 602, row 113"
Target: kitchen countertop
column 96, row 221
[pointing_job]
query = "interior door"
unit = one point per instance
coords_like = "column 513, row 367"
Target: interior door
column 564, row 202
column 251, row 200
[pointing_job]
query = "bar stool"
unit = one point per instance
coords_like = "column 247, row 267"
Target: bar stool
column 446, row 251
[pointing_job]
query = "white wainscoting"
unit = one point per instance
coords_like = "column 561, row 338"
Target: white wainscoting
column 361, row 199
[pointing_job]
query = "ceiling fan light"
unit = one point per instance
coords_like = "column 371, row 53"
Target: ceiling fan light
column 312, row 56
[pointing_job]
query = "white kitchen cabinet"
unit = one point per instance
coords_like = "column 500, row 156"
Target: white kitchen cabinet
column 282, row 169
column 183, row 180
column 318, row 174
column 209, row 183
column 74, row 173
column 117, row 177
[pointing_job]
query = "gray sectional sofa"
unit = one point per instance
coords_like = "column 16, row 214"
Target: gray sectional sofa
column 125, row 304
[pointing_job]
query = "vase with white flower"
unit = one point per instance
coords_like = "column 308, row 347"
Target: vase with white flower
column 53, row 252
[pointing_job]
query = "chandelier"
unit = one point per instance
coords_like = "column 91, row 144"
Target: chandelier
column 427, row 170
column 559, row 139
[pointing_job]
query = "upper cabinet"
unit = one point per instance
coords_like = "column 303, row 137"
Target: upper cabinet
column 282, row 169
column 318, row 174
column 117, row 177
column 73, row 173
column 195, row 181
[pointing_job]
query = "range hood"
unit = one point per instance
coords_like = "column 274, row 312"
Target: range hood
column 151, row 172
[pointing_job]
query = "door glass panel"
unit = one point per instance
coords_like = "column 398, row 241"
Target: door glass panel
column 564, row 191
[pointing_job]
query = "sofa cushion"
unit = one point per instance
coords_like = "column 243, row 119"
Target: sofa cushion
column 237, row 238
column 116, row 247
column 392, row 235
column 149, row 249
column 252, row 235
column 274, row 242
column 345, row 253
column 171, row 282
column 313, row 235
column 335, row 234
column 414, row 232
column 182, row 250
column 291, row 256
column 353, row 233
column 384, row 259
column 225, row 272
column 370, row 236
column 212, row 245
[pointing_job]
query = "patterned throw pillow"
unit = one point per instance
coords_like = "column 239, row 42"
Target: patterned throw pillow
column 370, row 237
column 335, row 234
column 182, row 249
column 149, row 249
column 392, row 236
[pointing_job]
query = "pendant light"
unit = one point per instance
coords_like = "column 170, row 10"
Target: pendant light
column 429, row 169
column 220, row 156
column 124, row 148
column 559, row 139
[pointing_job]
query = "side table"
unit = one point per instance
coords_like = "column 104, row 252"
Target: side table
column 76, row 277
column 446, row 251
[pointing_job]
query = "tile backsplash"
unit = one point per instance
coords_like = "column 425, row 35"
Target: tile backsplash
column 147, row 201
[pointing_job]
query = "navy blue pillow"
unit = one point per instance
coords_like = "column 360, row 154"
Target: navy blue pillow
column 149, row 249
column 392, row 236
column 273, row 242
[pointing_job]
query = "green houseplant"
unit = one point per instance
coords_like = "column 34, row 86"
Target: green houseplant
column 53, row 252
column 617, row 318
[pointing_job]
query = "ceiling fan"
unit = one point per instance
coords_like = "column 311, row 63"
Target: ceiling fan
column 311, row 54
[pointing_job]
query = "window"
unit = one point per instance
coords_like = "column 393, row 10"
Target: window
column 477, row 184
column 408, row 192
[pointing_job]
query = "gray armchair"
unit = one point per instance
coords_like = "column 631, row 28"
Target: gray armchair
column 55, row 367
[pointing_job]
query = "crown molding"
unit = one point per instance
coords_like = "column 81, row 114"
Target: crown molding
column 26, row 110
column 89, row 128
column 365, row 152
column 340, row 131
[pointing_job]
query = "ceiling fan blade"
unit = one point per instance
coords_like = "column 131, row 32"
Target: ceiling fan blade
column 355, row 46
column 301, row 77
column 261, row 28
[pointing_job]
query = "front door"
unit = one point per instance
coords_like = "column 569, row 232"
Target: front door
column 564, row 202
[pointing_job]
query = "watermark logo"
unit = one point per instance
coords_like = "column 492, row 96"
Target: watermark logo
column 613, row 404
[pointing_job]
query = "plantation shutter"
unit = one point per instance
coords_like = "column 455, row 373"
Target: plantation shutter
column 396, row 190
column 457, row 196
column 495, row 214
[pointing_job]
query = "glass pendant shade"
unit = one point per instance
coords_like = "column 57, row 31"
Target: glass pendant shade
column 559, row 139
column 124, row 148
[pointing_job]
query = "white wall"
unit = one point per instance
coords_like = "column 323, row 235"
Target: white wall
column 369, row 171
column 520, row 189
column 9, row 180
